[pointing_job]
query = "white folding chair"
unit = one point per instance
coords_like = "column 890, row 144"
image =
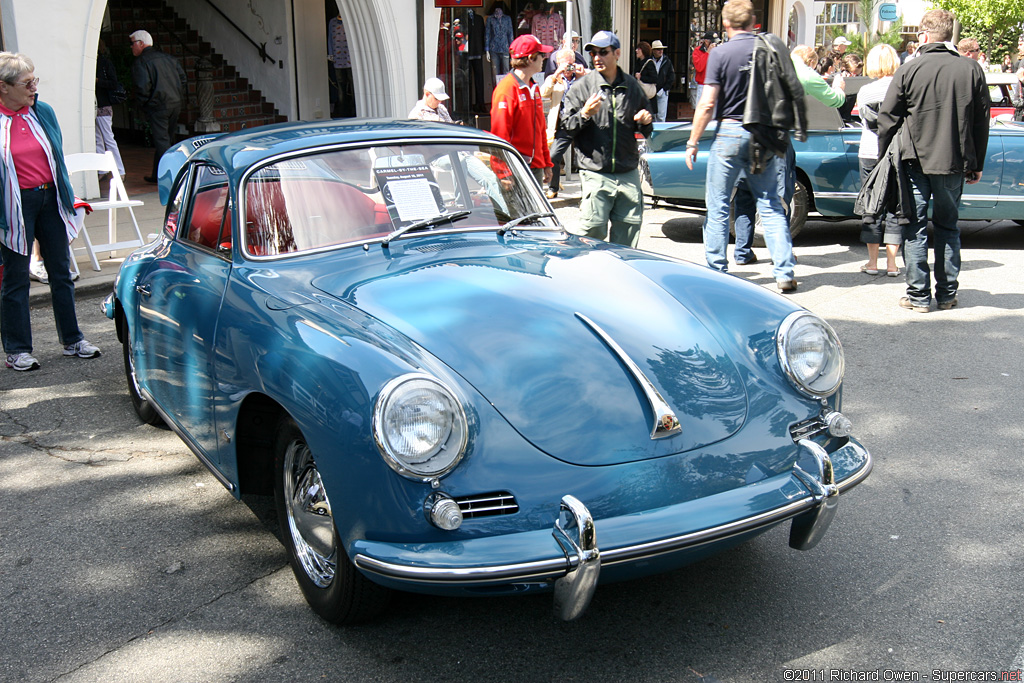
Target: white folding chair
column 117, row 198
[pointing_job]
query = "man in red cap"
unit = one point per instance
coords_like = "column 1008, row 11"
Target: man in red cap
column 517, row 114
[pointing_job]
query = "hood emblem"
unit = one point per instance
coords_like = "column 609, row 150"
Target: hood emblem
column 665, row 421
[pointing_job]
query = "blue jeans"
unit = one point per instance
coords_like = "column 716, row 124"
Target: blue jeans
column 730, row 158
column 43, row 224
column 661, row 114
column 745, row 215
column 743, row 222
column 943, row 191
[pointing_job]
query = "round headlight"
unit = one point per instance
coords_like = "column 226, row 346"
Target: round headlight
column 419, row 426
column 810, row 354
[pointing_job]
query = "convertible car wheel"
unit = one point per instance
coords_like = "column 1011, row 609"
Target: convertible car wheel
column 798, row 216
column 332, row 586
column 143, row 408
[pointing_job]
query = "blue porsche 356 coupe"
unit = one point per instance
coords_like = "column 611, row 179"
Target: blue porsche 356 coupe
column 383, row 324
column 828, row 172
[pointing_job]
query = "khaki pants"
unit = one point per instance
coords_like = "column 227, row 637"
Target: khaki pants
column 615, row 198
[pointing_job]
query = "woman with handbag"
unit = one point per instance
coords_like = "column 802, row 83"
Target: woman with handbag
column 109, row 92
column 647, row 73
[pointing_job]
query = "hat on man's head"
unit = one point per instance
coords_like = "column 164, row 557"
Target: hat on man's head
column 712, row 36
column 658, row 45
column 603, row 39
column 840, row 41
column 526, row 45
column 435, row 86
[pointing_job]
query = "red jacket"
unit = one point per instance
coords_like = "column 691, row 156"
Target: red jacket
column 700, row 64
column 517, row 115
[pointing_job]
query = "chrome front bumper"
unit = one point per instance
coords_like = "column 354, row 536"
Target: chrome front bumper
column 575, row 573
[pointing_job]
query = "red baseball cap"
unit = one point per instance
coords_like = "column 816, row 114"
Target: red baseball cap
column 526, row 45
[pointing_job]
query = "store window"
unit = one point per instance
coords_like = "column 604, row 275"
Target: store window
column 680, row 24
column 835, row 18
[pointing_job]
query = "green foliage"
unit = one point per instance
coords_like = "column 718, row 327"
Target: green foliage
column 995, row 24
column 600, row 16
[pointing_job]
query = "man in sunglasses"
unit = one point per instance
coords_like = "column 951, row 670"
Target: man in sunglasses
column 603, row 112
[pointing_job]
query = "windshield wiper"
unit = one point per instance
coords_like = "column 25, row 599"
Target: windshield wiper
column 523, row 219
column 425, row 223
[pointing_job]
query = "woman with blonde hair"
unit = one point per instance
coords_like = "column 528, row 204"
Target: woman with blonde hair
column 881, row 63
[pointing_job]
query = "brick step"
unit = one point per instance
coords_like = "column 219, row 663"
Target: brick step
column 239, row 111
column 237, row 105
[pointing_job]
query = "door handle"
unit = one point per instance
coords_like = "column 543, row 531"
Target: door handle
column 144, row 290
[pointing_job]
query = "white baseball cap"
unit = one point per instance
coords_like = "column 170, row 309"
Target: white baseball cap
column 435, row 86
column 841, row 40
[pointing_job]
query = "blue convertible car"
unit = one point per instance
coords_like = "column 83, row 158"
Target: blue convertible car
column 828, row 172
column 382, row 324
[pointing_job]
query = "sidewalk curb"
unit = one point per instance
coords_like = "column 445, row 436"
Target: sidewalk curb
column 39, row 294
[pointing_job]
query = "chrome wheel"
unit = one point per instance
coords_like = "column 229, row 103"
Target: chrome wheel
column 310, row 522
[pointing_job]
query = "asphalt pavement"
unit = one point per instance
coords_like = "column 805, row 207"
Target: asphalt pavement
column 122, row 558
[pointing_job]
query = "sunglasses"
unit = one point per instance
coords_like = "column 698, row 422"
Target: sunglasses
column 28, row 84
column 604, row 52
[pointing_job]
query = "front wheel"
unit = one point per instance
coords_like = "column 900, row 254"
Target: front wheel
column 332, row 586
column 143, row 408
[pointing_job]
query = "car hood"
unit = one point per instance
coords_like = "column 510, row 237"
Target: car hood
column 508, row 320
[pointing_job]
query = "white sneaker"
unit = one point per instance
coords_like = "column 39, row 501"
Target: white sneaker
column 82, row 349
column 37, row 271
column 74, row 275
column 22, row 362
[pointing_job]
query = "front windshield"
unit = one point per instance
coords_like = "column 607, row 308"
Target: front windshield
column 353, row 195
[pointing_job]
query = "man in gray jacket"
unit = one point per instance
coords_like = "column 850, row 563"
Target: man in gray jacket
column 160, row 86
column 939, row 106
column 603, row 112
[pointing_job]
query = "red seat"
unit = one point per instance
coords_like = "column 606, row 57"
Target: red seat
column 208, row 209
column 350, row 214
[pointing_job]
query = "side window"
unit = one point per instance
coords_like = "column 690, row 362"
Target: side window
column 207, row 218
column 174, row 207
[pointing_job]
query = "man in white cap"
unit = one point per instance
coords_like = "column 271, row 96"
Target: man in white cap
column 430, row 108
column 666, row 77
column 839, row 45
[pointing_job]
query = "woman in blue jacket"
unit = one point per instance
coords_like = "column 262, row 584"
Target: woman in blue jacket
column 36, row 203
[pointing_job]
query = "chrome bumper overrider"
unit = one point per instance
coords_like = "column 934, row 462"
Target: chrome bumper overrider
column 575, row 574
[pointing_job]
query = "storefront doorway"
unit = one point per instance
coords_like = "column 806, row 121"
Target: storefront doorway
column 680, row 24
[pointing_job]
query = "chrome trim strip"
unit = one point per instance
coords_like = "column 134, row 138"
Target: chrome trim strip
column 554, row 568
column 695, row 538
column 192, row 446
column 543, row 570
column 966, row 199
column 665, row 421
column 836, row 195
column 539, row 571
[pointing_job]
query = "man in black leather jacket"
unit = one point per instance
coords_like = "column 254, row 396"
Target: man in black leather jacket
column 939, row 106
column 160, row 86
column 729, row 89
